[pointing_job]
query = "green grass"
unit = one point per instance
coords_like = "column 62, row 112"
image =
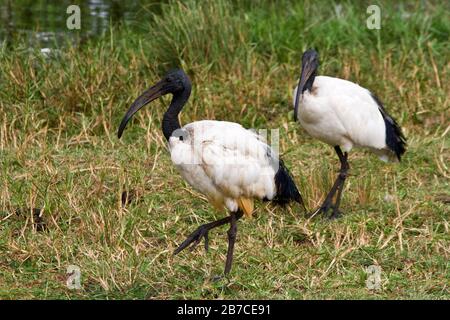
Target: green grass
column 59, row 152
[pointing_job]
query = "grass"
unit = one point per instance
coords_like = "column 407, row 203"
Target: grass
column 59, row 152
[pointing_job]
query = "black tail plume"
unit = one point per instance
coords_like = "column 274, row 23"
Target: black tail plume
column 286, row 189
column 395, row 139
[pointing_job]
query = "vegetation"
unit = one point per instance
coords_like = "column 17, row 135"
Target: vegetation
column 59, row 153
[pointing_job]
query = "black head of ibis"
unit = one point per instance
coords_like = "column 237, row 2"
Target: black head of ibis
column 310, row 63
column 175, row 82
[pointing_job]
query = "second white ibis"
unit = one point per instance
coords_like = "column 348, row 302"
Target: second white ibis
column 344, row 115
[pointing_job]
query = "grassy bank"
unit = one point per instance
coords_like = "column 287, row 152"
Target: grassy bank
column 59, row 152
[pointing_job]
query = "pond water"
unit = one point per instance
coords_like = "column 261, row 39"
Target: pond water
column 43, row 23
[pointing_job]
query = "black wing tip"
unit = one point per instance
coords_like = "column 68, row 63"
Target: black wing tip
column 395, row 139
column 286, row 189
column 400, row 148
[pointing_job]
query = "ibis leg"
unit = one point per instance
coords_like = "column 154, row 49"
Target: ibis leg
column 337, row 186
column 202, row 232
column 231, row 240
column 342, row 176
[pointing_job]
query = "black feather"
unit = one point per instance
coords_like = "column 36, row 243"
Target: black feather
column 395, row 139
column 286, row 189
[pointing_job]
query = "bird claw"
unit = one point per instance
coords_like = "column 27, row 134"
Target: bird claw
column 335, row 214
column 194, row 239
column 325, row 208
column 221, row 277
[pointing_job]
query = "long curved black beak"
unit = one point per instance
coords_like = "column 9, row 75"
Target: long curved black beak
column 148, row 96
column 307, row 70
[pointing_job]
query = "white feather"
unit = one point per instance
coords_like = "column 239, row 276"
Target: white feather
column 225, row 161
column 341, row 113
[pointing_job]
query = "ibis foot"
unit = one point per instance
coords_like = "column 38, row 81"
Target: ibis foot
column 217, row 278
column 195, row 238
column 335, row 214
column 201, row 232
column 325, row 209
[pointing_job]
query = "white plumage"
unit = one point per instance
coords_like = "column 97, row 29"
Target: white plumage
column 225, row 162
column 343, row 115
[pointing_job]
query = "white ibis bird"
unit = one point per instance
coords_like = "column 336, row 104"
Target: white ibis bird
column 343, row 115
column 230, row 165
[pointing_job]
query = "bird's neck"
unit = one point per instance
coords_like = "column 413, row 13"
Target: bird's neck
column 309, row 82
column 170, row 121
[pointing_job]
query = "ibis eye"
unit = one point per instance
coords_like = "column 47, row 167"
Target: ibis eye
column 180, row 134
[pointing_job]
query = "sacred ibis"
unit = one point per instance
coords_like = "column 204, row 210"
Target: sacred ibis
column 343, row 115
column 229, row 164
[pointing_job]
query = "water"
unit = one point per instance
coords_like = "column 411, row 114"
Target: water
column 43, row 23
